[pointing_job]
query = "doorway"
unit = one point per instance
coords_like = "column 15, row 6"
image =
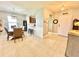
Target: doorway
column 53, row 27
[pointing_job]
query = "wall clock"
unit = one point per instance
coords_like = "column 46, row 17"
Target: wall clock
column 55, row 21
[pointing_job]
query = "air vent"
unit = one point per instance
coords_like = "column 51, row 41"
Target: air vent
column 64, row 13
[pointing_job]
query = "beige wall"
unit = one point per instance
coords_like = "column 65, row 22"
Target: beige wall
column 65, row 21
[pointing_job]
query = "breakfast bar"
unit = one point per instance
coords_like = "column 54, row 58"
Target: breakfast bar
column 73, row 43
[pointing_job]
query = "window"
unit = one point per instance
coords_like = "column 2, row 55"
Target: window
column 12, row 22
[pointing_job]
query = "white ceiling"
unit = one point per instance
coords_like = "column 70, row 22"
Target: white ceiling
column 52, row 5
column 24, row 6
column 9, row 7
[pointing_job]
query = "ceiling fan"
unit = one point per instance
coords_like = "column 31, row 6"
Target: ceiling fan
column 64, row 10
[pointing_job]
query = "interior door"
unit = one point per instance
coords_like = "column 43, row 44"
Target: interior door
column 50, row 25
column 65, row 24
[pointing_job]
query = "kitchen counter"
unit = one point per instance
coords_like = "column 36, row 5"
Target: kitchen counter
column 72, row 49
column 74, row 32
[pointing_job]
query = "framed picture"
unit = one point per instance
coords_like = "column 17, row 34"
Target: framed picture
column 32, row 19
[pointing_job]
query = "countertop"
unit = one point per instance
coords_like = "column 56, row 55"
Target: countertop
column 74, row 32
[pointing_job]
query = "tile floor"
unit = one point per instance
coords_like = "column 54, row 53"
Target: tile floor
column 51, row 46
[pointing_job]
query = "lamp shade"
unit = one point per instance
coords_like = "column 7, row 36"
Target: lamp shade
column 76, row 23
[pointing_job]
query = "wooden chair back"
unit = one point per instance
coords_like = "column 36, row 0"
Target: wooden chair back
column 17, row 32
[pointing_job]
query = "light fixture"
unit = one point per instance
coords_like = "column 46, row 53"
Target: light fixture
column 63, row 10
column 62, row 7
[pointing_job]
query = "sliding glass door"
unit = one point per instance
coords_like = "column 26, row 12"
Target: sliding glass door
column 12, row 22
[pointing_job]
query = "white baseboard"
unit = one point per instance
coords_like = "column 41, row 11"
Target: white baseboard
column 58, row 34
column 63, row 35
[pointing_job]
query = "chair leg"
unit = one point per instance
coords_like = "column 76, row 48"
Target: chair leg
column 22, row 38
column 7, row 37
column 14, row 40
column 23, row 35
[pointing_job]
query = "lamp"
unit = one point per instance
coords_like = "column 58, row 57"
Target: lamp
column 62, row 8
column 77, row 24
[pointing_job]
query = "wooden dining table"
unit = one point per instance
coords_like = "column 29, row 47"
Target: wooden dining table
column 12, row 30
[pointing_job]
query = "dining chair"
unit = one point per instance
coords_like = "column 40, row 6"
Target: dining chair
column 8, row 33
column 18, row 33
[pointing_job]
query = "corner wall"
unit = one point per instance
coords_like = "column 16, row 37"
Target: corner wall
column 38, row 13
